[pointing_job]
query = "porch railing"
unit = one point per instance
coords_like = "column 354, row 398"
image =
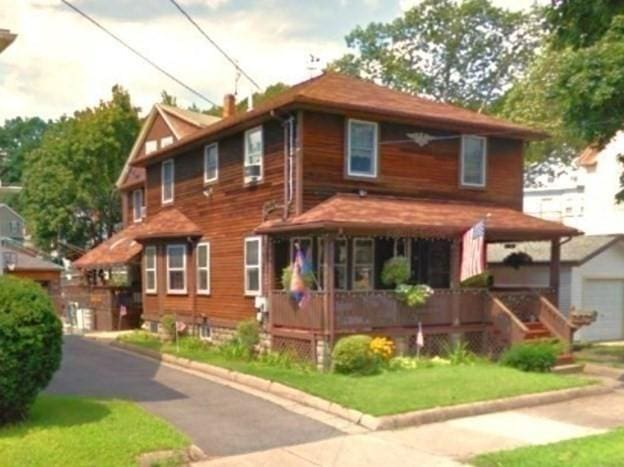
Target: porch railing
column 286, row 313
column 555, row 322
column 508, row 326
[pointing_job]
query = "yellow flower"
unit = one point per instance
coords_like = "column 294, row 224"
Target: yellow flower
column 382, row 347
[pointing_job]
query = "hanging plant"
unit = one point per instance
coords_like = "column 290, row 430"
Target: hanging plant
column 517, row 259
column 396, row 272
column 413, row 295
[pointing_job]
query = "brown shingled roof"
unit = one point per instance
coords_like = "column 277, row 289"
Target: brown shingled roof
column 119, row 249
column 589, row 156
column 340, row 92
column 168, row 223
column 409, row 215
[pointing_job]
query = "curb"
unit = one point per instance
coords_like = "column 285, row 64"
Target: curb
column 604, row 371
column 386, row 422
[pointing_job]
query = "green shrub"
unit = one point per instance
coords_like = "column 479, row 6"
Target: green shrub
column 248, row 335
column 395, row 271
column 413, row 295
column 459, row 354
column 31, row 339
column 168, row 323
column 483, row 280
column 353, row 355
column 531, row 356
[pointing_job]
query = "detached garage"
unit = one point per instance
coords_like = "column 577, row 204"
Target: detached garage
column 592, row 278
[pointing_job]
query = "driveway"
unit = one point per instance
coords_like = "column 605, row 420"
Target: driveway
column 220, row 420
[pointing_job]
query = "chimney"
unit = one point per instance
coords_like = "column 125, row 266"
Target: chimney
column 229, row 105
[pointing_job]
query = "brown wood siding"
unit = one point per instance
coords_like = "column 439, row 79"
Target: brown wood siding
column 406, row 169
column 226, row 214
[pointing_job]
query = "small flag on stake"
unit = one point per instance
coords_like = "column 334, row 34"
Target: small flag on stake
column 420, row 340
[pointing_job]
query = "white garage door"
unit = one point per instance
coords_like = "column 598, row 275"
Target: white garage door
column 607, row 298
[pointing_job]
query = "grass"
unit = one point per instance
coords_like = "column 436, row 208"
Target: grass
column 592, row 451
column 387, row 393
column 611, row 355
column 76, row 431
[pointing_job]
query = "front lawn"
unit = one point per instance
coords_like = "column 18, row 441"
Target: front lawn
column 592, row 451
column 75, row 431
column 611, row 355
column 387, row 393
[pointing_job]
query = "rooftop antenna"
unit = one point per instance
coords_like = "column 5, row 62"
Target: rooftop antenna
column 313, row 64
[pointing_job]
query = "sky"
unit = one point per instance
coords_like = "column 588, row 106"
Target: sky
column 60, row 63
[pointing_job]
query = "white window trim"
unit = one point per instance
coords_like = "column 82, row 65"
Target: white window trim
column 162, row 181
column 206, row 152
column 171, row 291
column 166, row 141
column 353, row 263
column 245, row 164
column 151, row 146
column 154, row 269
column 485, row 159
column 205, row 267
column 352, row 173
column 199, row 332
column 253, row 293
column 134, row 207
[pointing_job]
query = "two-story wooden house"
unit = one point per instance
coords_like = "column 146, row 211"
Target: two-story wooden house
column 355, row 173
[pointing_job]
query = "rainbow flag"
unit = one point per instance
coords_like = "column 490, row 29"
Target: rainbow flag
column 298, row 288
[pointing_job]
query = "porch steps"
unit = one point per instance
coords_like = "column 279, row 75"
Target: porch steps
column 565, row 359
column 537, row 331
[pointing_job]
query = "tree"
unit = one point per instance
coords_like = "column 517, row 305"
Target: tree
column 69, row 181
column 18, row 136
column 465, row 52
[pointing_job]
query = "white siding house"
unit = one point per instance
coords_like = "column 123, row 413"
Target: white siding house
column 592, row 278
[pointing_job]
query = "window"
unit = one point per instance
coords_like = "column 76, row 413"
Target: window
column 340, row 263
column 253, row 270
column 203, row 268
column 151, row 146
column 362, row 149
column 150, row 269
column 137, row 205
column 363, row 263
column 166, row 141
column 167, row 177
column 473, row 161
column 253, row 155
column 204, row 331
column 176, row 269
column 15, row 228
column 211, row 163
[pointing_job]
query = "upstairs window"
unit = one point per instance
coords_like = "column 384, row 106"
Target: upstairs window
column 151, row 146
column 203, row 268
column 166, row 141
column 254, row 149
column 176, row 269
column 137, row 205
column 150, row 269
column 473, row 161
column 167, row 174
column 253, row 268
column 362, row 149
column 211, row 163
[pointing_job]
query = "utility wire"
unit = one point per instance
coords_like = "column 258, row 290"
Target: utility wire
column 223, row 52
column 137, row 53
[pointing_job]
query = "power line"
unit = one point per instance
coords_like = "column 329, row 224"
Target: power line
column 223, row 52
column 137, row 53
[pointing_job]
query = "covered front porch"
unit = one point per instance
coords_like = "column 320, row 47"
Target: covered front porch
column 348, row 239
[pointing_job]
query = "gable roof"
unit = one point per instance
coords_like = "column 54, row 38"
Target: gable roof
column 194, row 121
column 577, row 250
column 342, row 93
column 401, row 215
column 589, row 156
column 11, row 210
column 28, row 262
column 120, row 248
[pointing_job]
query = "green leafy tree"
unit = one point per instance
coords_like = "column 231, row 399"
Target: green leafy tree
column 465, row 52
column 18, row 137
column 69, row 181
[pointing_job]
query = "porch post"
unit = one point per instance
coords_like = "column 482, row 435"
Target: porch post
column 269, row 278
column 455, row 280
column 328, row 288
column 555, row 262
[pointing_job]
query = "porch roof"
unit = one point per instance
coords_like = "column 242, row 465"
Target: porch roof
column 411, row 216
column 119, row 249
column 168, row 223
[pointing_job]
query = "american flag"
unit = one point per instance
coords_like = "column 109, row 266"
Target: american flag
column 473, row 251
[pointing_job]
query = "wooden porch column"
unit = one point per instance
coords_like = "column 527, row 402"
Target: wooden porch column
column 269, row 277
column 328, row 288
column 555, row 267
column 455, row 280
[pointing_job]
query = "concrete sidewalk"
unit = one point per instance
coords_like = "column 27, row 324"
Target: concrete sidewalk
column 449, row 443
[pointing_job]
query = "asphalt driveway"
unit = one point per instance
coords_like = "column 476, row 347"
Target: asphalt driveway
column 220, row 420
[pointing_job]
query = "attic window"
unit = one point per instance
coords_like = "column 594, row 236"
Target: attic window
column 151, row 146
column 473, row 161
column 166, row 141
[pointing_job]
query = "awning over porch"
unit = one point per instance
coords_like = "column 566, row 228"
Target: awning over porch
column 373, row 214
column 120, row 249
column 168, row 223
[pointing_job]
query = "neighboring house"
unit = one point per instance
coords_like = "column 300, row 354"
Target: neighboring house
column 354, row 174
column 6, row 39
column 592, row 278
column 111, row 271
column 583, row 195
column 25, row 263
column 11, row 224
